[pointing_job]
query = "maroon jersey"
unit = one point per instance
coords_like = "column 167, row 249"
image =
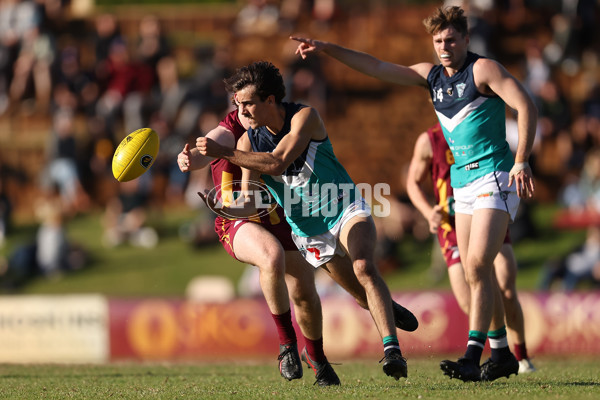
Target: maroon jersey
column 224, row 173
column 227, row 176
column 441, row 161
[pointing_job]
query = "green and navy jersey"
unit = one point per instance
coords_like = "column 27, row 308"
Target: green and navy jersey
column 315, row 189
column 474, row 124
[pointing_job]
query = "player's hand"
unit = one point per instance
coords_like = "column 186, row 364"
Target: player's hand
column 435, row 218
column 307, row 46
column 209, row 147
column 183, row 159
column 522, row 176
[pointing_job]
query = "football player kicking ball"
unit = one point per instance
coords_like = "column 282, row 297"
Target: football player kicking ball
column 432, row 158
column 287, row 143
column 266, row 243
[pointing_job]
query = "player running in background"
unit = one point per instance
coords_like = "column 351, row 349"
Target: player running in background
column 469, row 94
column 432, row 158
column 333, row 228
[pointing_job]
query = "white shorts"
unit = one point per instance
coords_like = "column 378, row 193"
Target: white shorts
column 320, row 249
column 489, row 191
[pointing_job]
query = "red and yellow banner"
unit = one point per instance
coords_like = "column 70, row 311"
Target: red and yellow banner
column 175, row 329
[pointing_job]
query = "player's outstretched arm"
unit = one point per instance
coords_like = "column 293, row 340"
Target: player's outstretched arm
column 415, row 75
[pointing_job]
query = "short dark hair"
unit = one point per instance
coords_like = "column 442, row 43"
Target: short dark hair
column 443, row 18
column 263, row 75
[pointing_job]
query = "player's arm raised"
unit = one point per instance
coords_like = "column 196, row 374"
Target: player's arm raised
column 415, row 75
column 418, row 171
column 491, row 76
column 305, row 125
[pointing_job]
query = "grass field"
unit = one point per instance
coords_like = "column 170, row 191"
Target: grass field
column 572, row 378
column 165, row 271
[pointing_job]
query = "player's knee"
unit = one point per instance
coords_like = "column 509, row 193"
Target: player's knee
column 508, row 295
column 477, row 271
column 364, row 270
column 273, row 263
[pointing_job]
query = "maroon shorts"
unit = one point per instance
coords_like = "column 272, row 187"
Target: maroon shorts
column 449, row 245
column 274, row 222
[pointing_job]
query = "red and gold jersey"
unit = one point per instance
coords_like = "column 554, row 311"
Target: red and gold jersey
column 441, row 161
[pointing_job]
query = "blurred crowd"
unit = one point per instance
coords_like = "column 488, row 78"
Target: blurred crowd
column 94, row 83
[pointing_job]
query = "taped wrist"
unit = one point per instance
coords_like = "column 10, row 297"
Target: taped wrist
column 518, row 167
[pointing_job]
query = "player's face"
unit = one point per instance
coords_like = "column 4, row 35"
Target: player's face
column 451, row 48
column 251, row 106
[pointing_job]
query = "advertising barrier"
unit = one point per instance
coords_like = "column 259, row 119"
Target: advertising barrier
column 93, row 329
column 149, row 329
column 69, row 329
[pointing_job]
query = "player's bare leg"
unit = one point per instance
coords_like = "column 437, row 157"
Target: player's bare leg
column 358, row 240
column 506, row 273
column 460, row 288
column 485, row 234
column 480, row 237
column 340, row 269
column 254, row 245
column 505, row 266
column 300, row 279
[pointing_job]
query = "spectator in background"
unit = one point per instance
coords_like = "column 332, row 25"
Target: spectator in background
column 17, row 17
column 125, row 78
column 151, row 47
column 554, row 112
column 126, row 215
column 581, row 197
column 52, row 244
column 307, row 83
column 107, row 31
column 258, row 17
column 81, row 84
column 62, row 169
column 318, row 14
column 536, row 69
column 152, row 43
column 34, row 63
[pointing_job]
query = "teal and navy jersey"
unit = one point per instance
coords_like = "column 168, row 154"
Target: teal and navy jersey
column 474, row 124
column 315, row 189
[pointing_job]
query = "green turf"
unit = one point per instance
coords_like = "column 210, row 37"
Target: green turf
column 572, row 378
column 167, row 269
